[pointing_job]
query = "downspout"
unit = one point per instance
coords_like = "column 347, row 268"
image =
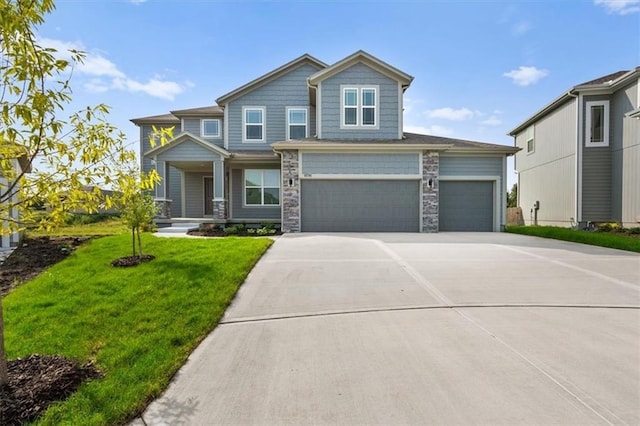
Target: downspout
column 578, row 162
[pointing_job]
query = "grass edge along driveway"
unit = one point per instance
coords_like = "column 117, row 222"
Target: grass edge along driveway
column 601, row 239
column 138, row 324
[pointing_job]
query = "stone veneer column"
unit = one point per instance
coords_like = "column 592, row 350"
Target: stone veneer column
column 430, row 170
column 219, row 209
column 290, row 192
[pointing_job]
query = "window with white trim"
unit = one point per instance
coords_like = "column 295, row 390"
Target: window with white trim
column 253, row 124
column 262, row 187
column 597, row 123
column 296, row 123
column 530, row 139
column 210, row 128
column 359, row 107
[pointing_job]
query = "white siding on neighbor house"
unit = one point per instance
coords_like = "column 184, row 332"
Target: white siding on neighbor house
column 388, row 104
column 289, row 90
column 548, row 174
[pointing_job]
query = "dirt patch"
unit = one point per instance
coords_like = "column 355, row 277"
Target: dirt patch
column 33, row 257
column 37, row 381
column 126, row 261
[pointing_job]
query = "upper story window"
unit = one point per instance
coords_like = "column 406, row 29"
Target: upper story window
column 597, row 123
column 359, row 107
column 297, row 123
column 253, row 123
column 530, row 139
column 210, row 128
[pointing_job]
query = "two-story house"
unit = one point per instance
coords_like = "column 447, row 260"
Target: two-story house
column 580, row 155
column 319, row 147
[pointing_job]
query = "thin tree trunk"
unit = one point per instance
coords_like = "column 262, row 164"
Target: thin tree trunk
column 133, row 240
column 139, row 241
column 4, row 371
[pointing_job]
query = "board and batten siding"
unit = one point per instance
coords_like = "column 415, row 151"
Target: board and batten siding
column 194, row 126
column 388, row 104
column 625, row 151
column 239, row 210
column 289, row 90
column 353, row 164
column 596, row 172
column 548, row 174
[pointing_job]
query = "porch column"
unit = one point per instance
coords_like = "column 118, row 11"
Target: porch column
column 162, row 189
column 430, row 172
column 219, row 200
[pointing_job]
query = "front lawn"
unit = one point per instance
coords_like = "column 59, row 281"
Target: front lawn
column 602, row 239
column 138, row 324
column 108, row 226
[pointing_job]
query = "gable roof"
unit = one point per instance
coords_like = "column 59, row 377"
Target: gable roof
column 205, row 111
column 156, row 119
column 184, row 137
column 361, row 57
column 270, row 76
column 609, row 83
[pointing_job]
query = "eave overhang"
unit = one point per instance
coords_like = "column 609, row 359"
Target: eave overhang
column 183, row 137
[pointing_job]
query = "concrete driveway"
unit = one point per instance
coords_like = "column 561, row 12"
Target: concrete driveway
column 443, row 328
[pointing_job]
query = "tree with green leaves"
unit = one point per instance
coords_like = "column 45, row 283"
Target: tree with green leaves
column 61, row 154
column 512, row 196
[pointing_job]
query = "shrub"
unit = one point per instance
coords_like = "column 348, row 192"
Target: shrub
column 230, row 230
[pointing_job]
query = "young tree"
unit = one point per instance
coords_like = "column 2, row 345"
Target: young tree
column 512, row 196
column 61, row 154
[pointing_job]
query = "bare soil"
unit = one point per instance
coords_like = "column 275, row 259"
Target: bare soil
column 37, row 381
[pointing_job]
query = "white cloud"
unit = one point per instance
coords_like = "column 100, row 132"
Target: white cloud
column 521, row 27
column 105, row 74
column 620, row 7
column 138, row 1
column 524, row 76
column 447, row 113
column 428, row 130
column 492, row 121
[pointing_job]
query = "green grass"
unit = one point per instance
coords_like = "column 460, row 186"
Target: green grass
column 602, row 239
column 138, row 324
column 110, row 226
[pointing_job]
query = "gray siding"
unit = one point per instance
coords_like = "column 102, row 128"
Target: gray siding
column 238, row 210
column 470, row 166
column 388, row 107
column 391, row 164
column 194, row 126
column 287, row 90
column 194, row 194
column 175, row 191
column 188, row 151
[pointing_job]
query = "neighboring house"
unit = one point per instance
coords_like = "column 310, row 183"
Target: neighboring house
column 319, row 147
column 580, row 155
column 9, row 193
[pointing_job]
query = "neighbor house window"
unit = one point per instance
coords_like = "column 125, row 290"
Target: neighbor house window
column 253, row 123
column 296, row 123
column 210, row 128
column 530, row 138
column 261, row 187
column 359, row 107
column 597, row 125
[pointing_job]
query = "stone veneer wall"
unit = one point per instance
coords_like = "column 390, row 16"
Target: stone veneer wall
column 290, row 192
column 220, row 209
column 430, row 170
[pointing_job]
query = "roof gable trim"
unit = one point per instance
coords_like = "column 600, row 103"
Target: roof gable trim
column 185, row 137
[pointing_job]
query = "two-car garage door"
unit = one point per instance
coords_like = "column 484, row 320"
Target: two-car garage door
column 393, row 205
column 360, row 205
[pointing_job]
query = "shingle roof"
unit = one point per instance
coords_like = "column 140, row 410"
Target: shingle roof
column 200, row 111
column 157, row 119
column 604, row 79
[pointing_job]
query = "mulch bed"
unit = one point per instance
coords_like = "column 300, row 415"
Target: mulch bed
column 126, row 261
column 37, row 381
column 221, row 233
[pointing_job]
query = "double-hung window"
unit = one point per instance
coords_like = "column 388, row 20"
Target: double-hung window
column 296, row 123
column 253, row 123
column 262, row 187
column 359, row 107
column 210, row 128
column 530, row 138
column 597, row 125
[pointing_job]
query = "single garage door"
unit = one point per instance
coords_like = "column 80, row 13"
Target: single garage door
column 466, row 206
column 360, row 206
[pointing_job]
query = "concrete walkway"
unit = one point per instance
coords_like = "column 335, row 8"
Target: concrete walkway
column 415, row 329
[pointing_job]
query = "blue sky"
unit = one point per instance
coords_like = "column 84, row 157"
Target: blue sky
column 480, row 67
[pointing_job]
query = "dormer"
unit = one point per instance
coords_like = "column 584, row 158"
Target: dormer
column 358, row 98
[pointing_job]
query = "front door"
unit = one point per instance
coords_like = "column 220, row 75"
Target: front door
column 208, row 196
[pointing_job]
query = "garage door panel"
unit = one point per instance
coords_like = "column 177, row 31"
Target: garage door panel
column 466, row 206
column 360, row 206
